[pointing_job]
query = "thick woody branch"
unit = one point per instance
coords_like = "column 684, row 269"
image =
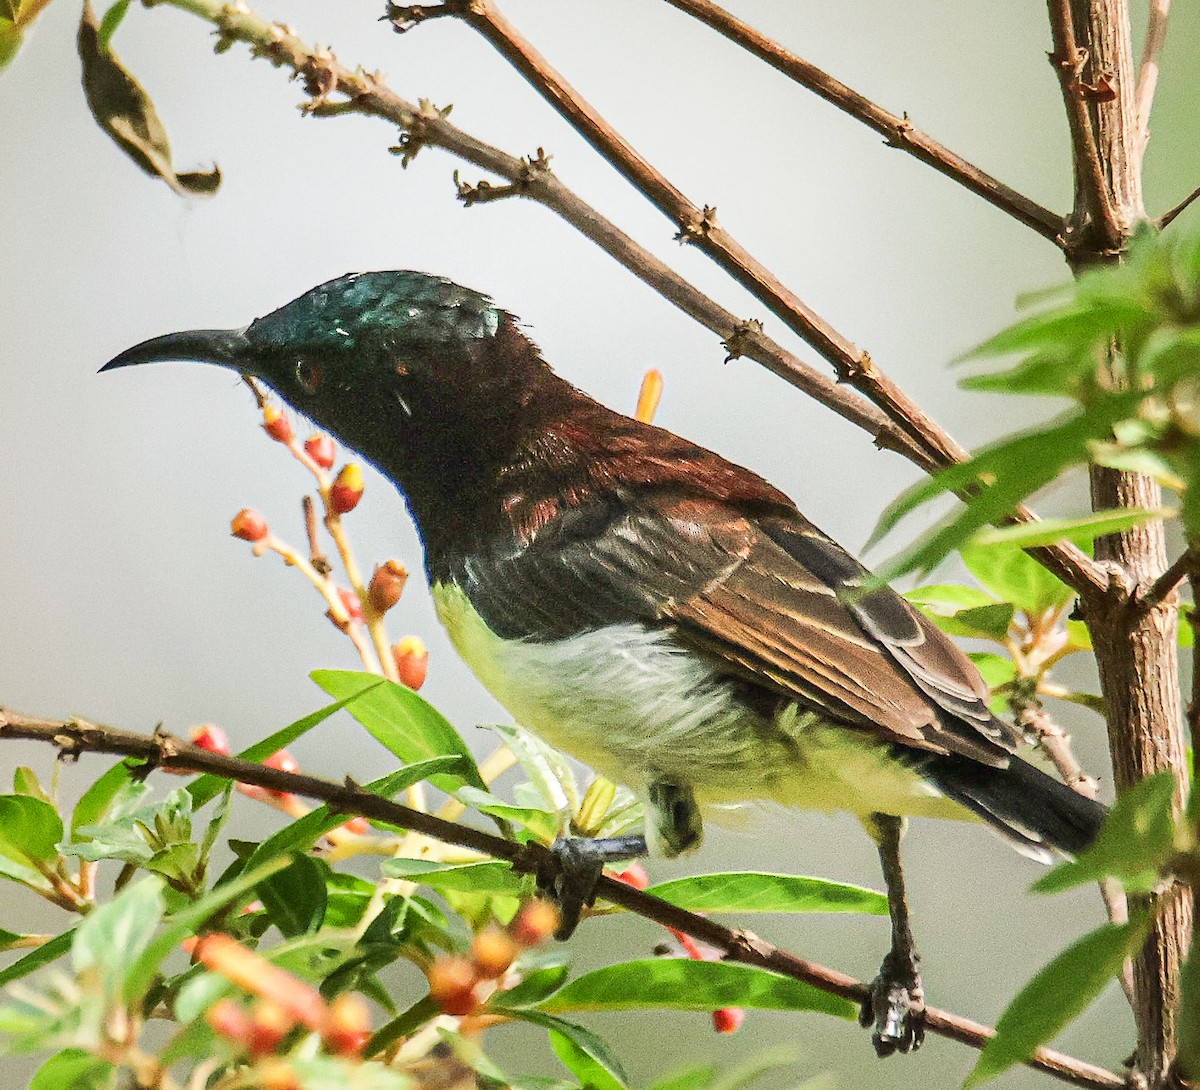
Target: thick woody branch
column 74, row 736
column 898, row 131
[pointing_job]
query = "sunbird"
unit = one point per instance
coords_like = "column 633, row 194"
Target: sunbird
column 669, row 618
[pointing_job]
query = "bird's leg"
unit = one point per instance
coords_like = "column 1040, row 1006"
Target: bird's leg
column 896, row 1004
column 673, row 825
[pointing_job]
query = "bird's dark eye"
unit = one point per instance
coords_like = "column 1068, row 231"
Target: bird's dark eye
column 308, row 376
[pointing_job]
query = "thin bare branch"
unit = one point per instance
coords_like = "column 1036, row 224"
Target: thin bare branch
column 1143, row 97
column 1165, row 584
column 699, row 226
column 1170, row 216
column 1094, row 214
column 898, row 131
column 74, row 736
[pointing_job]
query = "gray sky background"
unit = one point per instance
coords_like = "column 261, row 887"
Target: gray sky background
column 124, row 598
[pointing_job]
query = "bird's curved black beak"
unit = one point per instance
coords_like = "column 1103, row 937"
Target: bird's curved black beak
column 224, row 347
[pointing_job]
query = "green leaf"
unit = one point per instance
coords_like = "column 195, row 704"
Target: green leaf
column 1135, row 842
column 49, row 951
column 1016, row 577
column 579, row 1046
column 295, row 897
column 73, row 1069
column 488, row 877
column 302, row 833
column 543, row 824
column 25, row 782
column 208, row 787
column 401, row 721
column 114, row 936
column 112, row 19
column 94, row 805
column 548, row 770
column 533, row 987
column 1057, row 995
column 404, row 1025
column 125, row 113
column 10, row 41
column 683, row 984
column 581, row 1062
column 1086, row 528
column 30, row 829
column 751, row 891
column 998, row 478
column 996, row 669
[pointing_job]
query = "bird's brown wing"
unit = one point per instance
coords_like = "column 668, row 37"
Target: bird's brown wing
column 769, row 597
column 790, row 613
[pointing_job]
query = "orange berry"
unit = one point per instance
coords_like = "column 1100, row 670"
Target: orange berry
column 348, row 1026
column 347, row 489
column 276, row 425
column 453, row 984
column 412, row 661
column 249, row 525
column 387, row 584
column 534, row 924
column 321, row 450
column 269, row 1024
column 493, row 952
column 277, row 1074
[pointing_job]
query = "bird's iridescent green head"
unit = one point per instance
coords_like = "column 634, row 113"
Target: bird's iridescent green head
column 384, row 360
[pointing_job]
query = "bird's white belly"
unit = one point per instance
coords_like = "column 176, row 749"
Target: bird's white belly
column 637, row 707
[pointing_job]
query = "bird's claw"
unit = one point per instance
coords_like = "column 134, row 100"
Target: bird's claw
column 896, row 1007
column 572, row 882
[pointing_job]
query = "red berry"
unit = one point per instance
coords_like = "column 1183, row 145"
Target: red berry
column 276, row 425
column 269, row 1024
column 633, row 875
column 321, row 450
column 211, row 737
column 347, row 489
column 452, row 985
column 412, row 661
column 347, row 1026
column 249, row 525
column 728, row 1019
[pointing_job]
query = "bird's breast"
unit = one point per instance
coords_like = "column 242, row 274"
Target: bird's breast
column 635, row 704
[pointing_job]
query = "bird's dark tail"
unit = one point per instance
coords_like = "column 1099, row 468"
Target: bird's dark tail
column 1032, row 811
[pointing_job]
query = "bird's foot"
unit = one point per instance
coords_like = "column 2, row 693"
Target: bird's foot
column 896, row 1007
column 579, row 862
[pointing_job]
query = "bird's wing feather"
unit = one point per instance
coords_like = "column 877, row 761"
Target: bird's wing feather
column 763, row 596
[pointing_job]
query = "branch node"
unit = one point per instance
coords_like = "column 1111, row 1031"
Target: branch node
column 532, row 168
column 694, row 226
column 746, row 942
column 406, row 17
column 852, row 370
column 738, row 343
column 901, row 132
